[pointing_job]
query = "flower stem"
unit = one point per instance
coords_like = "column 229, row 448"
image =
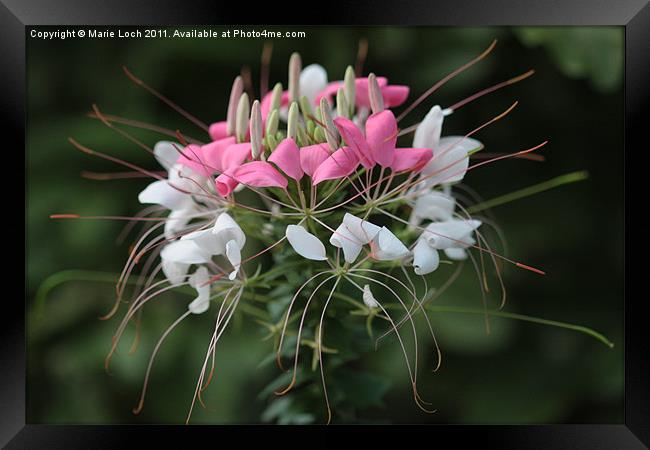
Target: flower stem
column 530, row 190
column 508, row 315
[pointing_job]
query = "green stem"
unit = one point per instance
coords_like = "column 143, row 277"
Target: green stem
column 530, row 190
column 508, row 315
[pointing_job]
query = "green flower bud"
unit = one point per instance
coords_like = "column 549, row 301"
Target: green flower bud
column 243, row 113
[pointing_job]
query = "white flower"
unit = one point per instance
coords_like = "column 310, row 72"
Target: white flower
column 368, row 298
column 432, row 205
column 387, row 247
column 354, row 232
column 427, row 134
column 450, row 233
column 313, row 80
column 425, row 258
column 450, row 154
column 199, row 281
column 452, row 236
column 305, row 244
column 225, row 238
column 174, row 192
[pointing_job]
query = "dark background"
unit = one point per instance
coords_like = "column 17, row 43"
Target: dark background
column 521, row 373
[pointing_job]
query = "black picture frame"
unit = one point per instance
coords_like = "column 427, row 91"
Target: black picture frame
column 634, row 15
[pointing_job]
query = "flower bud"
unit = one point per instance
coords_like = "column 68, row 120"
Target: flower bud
column 243, row 113
column 295, row 66
column 374, row 94
column 256, row 129
column 272, row 122
column 292, row 121
column 349, row 87
column 331, row 133
column 235, row 94
column 342, row 104
column 276, row 97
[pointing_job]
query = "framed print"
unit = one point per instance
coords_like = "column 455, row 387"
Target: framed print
column 414, row 215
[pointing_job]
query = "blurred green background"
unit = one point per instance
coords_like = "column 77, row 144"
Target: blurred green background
column 520, row 373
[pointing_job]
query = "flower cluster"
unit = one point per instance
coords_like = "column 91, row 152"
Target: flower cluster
column 316, row 167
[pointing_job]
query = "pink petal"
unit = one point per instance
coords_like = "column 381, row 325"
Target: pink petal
column 394, row 95
column 361, row 88
column 212, row 153
column 413, row 159
column 287, row 157
column 381, row 135
column 355, row 140
column 226, row 183
column 259, row 174
column 192, row 157
column 339, row 164
column 217, row 130
column 313, row 156
column 329, row 91
column 234, row 155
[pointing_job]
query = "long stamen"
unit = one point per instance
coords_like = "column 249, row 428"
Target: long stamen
column 440, row 83
column 140, row 405
column 167, row 101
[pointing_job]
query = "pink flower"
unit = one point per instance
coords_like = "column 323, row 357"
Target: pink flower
column 394, row 95
column 287, row 157
column 378, row 146
column 217, row 156
column 254, row 174
column 218, row 130
column 312, row 156
column 411, row 159
column 339, row 164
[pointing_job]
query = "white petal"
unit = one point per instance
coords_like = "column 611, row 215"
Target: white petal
column 162, row 193
column 456, row 254
column 305, row 244
column 313, row 79
column 425, row 258
column 450, row 160
column 427, row 134
column 227, row 229
column 233, row 253
column 343, row 238
column 206, row 241
column 198, row 281
column 174, row 271
column 166, row 154
column 178, row 220
column 368, row 298
column 184, row 252
column 451, row 233
column 434, row 205
column 388, row 246
column 363, row 230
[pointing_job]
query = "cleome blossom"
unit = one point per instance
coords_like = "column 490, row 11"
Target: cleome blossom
column 323, row 180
